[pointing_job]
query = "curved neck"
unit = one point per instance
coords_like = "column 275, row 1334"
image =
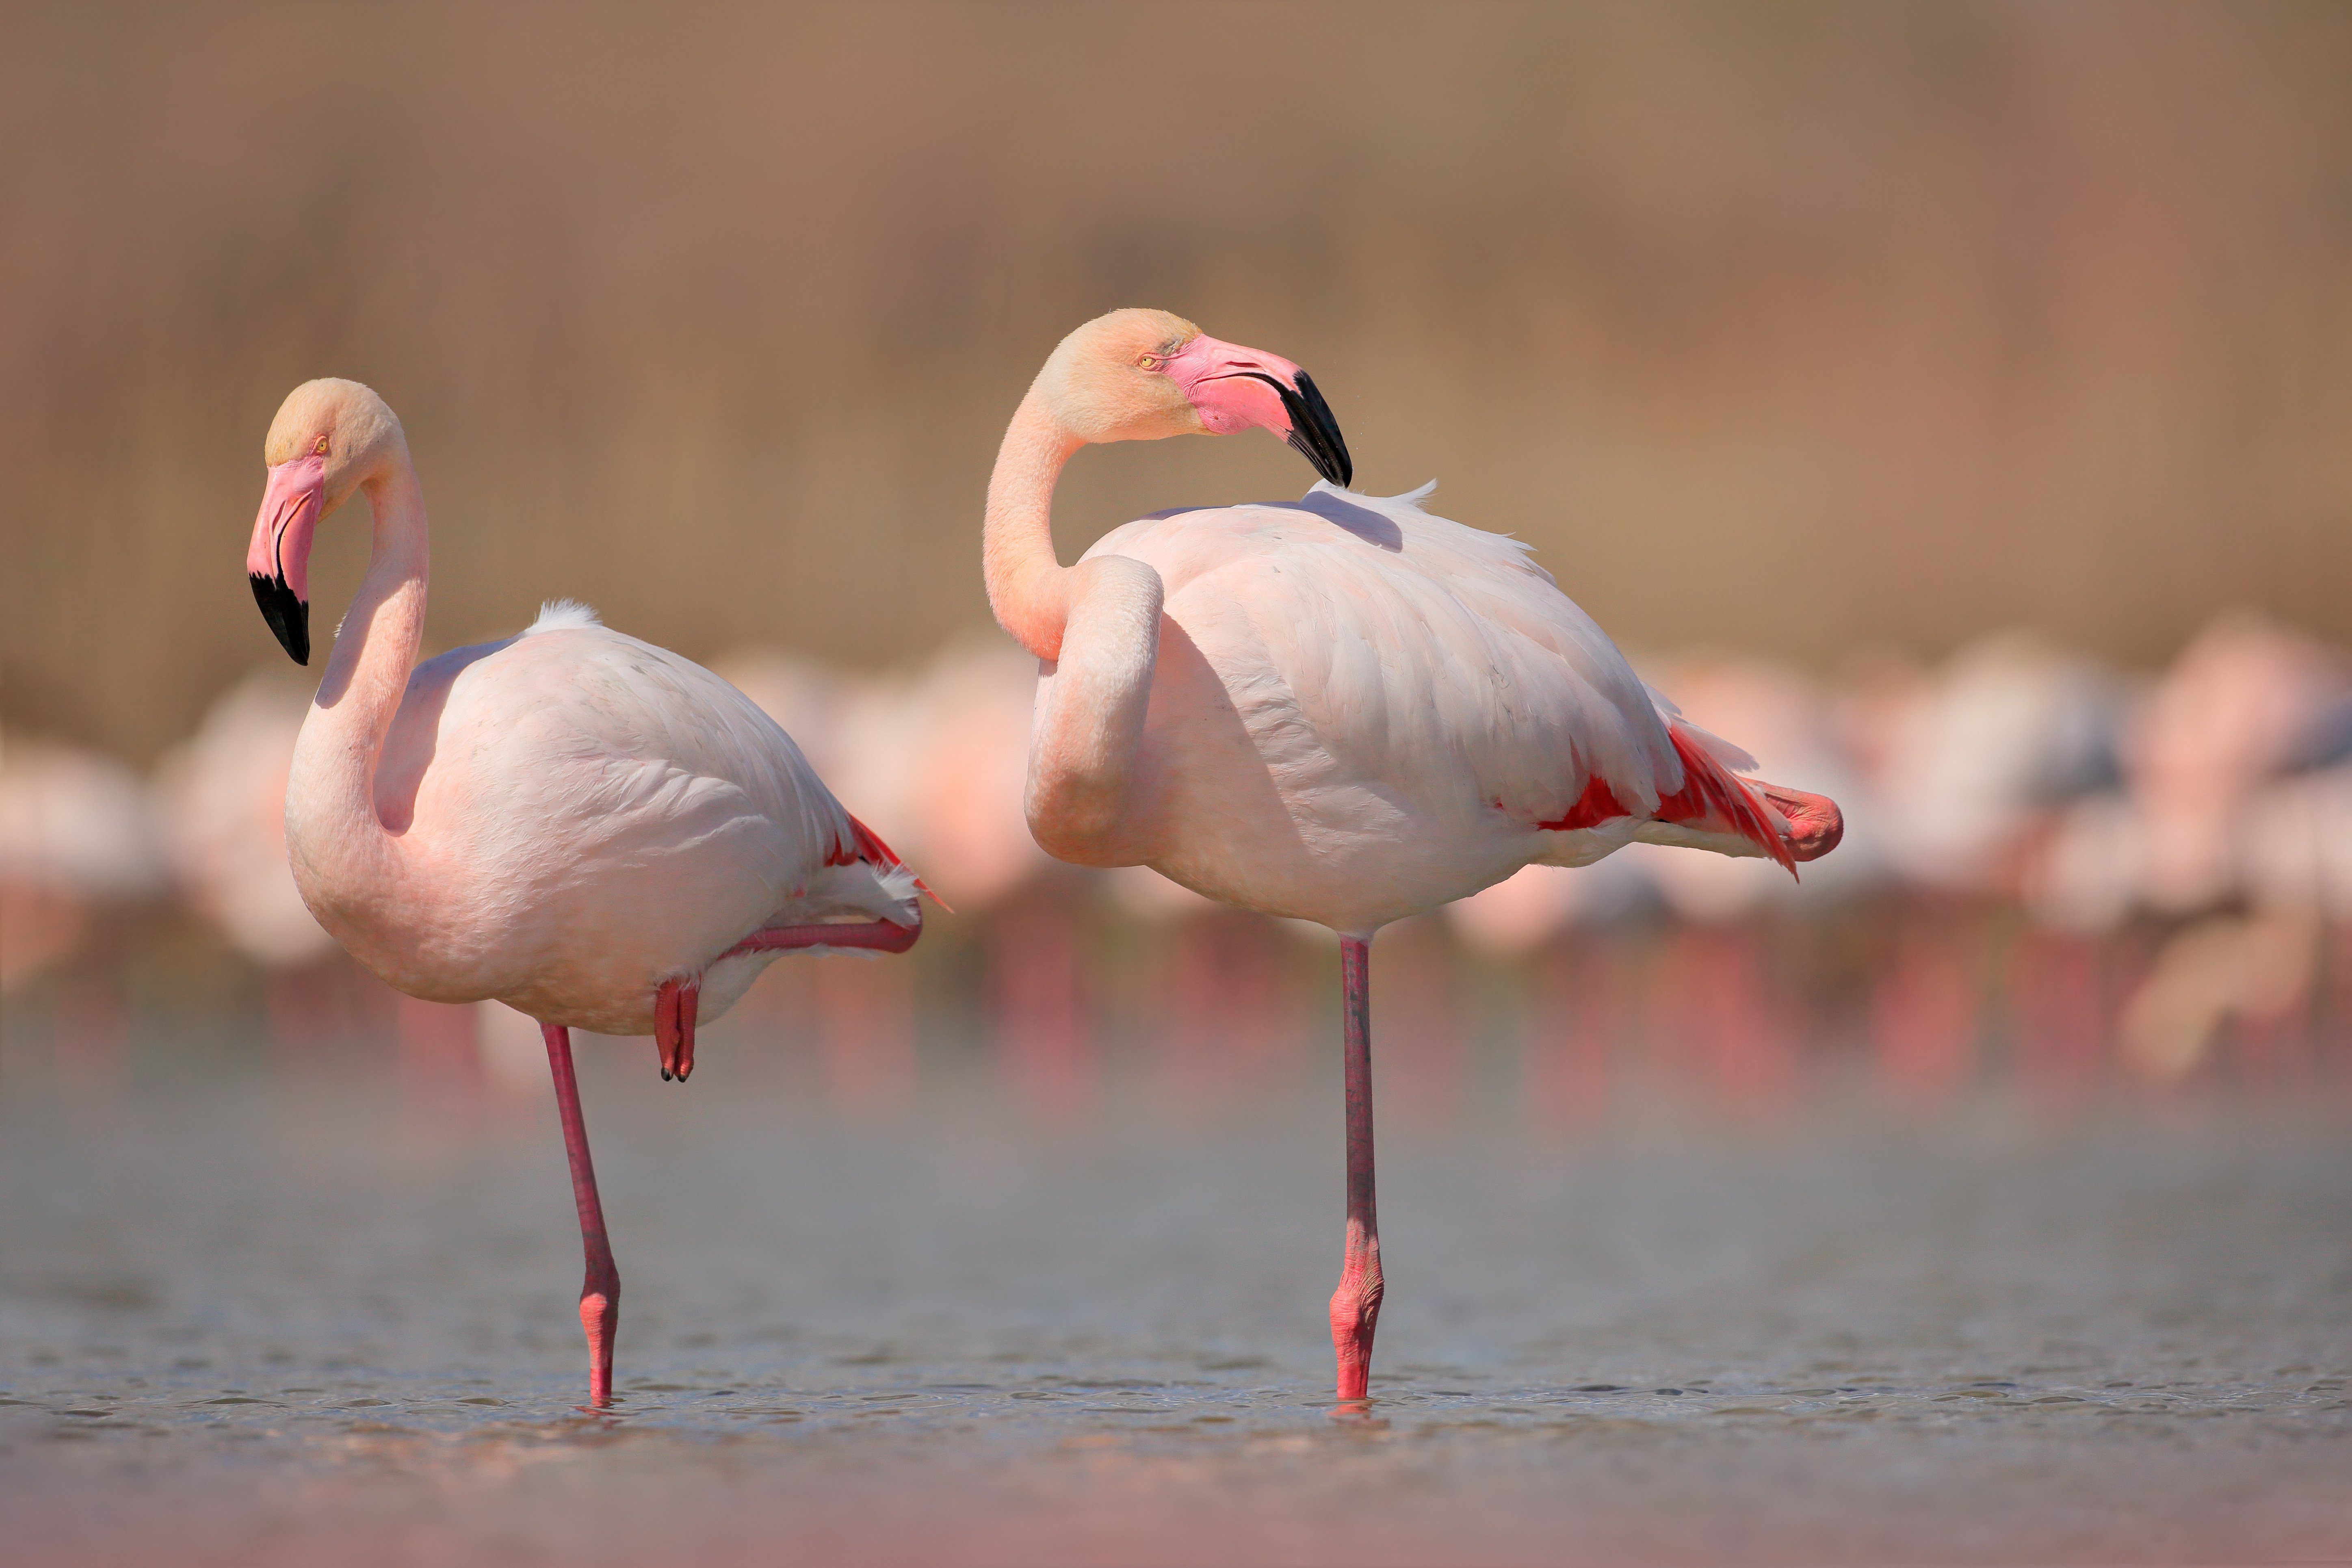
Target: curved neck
column 331, row 807
column 1026, row 586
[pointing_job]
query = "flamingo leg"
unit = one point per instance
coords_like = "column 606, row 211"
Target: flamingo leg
column 600, row 1291
column 880, row 936
column 1356, row 1304
column 677, row 1001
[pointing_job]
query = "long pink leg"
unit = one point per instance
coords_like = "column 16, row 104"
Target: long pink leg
column 600, row 1292
column 1356, row 1304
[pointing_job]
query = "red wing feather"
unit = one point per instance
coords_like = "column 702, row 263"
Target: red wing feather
column 1711, row 790
column 1712, row 797
column 867, row 845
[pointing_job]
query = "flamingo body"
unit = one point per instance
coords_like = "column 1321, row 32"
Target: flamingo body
column 647, row 818
column 1360, row 710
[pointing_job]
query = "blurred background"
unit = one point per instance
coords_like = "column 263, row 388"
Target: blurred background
column 1945, row 401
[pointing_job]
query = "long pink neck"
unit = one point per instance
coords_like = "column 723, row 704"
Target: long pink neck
column 330, row 806
column 1026, row 582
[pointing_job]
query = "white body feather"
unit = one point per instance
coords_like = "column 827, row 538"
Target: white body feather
column 592, row 815
column 1360, row 710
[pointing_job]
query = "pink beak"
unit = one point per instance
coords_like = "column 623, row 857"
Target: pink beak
column 278, row 560
column 1233, row 388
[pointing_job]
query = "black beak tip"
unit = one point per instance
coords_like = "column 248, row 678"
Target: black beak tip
column 1315, row 434
column 287, row 616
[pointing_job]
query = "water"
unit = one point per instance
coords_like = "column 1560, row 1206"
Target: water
column 253, row 1320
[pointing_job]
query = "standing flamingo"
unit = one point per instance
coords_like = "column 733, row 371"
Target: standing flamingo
column 590, row 829
column 1342, row 710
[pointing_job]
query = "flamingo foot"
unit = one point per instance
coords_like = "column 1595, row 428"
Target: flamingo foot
column 1356, row 1313
column 677, row 1001
column 599, row 1318
column 674, row 1007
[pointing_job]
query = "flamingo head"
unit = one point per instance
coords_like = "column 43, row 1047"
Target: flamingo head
column 330, row 437
column 1140, row 375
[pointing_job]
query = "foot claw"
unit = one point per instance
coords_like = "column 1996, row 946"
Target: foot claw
column 674, row 1007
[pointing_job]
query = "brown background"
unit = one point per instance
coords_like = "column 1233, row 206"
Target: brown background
column 1803, row 328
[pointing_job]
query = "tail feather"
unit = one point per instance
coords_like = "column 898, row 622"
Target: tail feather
column 1713, row 793
column 867, row 845
column 1715, row 799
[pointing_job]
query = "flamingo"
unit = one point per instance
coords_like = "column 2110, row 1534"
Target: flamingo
column 77, row 838
column 586, row 828
column 1966, row 762
column 1344, row 710
column 2245, row 703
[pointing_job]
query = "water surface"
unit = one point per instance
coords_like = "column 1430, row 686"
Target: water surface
column 245, row 1319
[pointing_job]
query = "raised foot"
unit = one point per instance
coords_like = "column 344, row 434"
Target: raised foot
column 1355, row 1314
column 674, row 1007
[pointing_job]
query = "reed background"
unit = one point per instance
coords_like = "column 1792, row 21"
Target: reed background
column 1800, row 329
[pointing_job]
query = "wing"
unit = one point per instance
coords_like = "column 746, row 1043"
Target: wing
column 656, row 779
column 1416, row 648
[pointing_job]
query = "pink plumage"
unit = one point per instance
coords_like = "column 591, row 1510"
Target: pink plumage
column 1345, row 710
column 581, row 826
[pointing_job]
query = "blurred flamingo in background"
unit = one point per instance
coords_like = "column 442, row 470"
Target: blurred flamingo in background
column 2245, row 703
column 592, row 830
column 1573, row 1010
column 1967, row 760
column 1344, row 710
column 2211, row 826
column 856, row 730
column 1726, row 1017
column 78, row 842
column 221, row 796
column 937, row 761
column 1975, row 769
column 968, row 716
column 76, row 839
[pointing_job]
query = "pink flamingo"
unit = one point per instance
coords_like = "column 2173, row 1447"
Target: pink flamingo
column 592, row 830
column 1343, row 710
column 77, row 837
column 78, row 846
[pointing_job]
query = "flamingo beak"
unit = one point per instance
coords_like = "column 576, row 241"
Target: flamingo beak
column 1231, row 387
column 278, row 563
column 1314, row 434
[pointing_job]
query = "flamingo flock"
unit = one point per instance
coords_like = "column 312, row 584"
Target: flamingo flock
column 1346, row 711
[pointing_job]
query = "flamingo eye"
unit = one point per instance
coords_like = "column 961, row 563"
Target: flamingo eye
column 319, row 448
column 1147, row 362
